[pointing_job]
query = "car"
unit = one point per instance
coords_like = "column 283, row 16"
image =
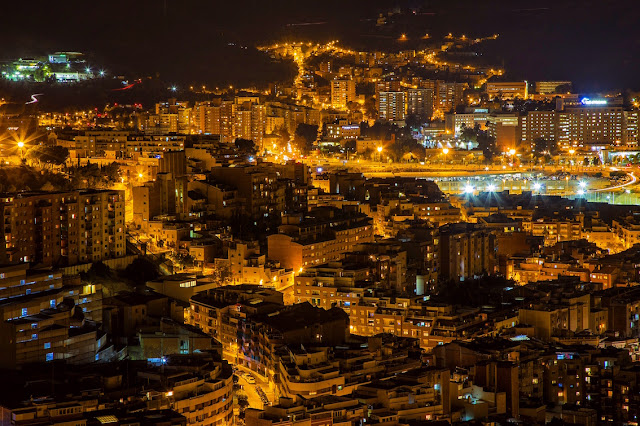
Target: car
column 250, row 379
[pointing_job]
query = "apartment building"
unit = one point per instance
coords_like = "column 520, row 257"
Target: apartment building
column 392, row 106
column 321, row 236
column 343, row 91
column 627, row 230
column 554, row 230
column 63, row 228
column 507, row 90
column 466, row 250
column 197, row 386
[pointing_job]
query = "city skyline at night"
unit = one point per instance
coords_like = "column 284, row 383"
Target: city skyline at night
column 395, row 213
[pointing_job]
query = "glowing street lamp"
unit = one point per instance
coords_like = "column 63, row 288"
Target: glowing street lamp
column 491, row 187
column 571, row 152
column 21, row 146
column 445, row 151
column 379, row 149
column 512, row 154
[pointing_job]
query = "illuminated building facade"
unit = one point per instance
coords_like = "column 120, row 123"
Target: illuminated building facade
column 392, row 106
column 343, row 91
column 63, row 228
column 508, row 90
column 420, row 102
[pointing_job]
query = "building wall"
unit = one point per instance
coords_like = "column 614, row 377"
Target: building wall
column 61, row 229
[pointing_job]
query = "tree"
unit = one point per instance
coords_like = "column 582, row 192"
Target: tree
column 283, row 134
column 93, row 176
column 350, row 145
column 405, row 148
column 141, row 270
column 55, row 155
column 353, row 106
column 596, row 161
column 246, row 146
column 221, row 273
column 379, row 130
column 305, row 136
column 585, row 162
column 563, row 88
column 543, row 147
column 111, row 173
column 413, row 121
column 485, row 142
column 370, row 107
column 243, row 401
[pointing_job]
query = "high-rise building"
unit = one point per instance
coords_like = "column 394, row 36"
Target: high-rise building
column 249, row 122
column 343, row 91
column 63, row 228
column 551, row 86
column 577, row 126
column 631, row 127
column 386, row 86
column 101, row 142
column 420, row 102
column 257, row 185
column 448, row 95
column 465, row 251
column 258, row 123
column 508, row 90
column 392, row 106
column 504, row 128
column 242, row 124
column 163, row 196
column 321, row 236
column 173, row 162
column 537, row 124
column 455, row 123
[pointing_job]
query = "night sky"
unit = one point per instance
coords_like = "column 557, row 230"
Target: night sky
column 594, row 43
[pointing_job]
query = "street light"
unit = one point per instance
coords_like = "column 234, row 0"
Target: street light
column 571, row 152
column 512, row 153
column 445, row 151
column 21, row 146
column 379, row 154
